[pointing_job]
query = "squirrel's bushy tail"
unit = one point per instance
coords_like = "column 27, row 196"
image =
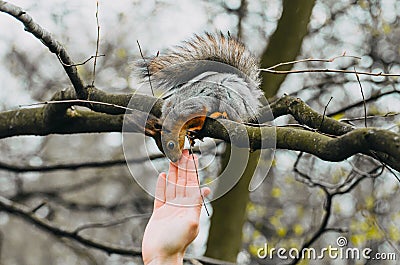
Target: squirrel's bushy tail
column 208, row 47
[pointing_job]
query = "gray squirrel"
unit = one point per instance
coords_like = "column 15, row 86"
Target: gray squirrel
column 210, row 75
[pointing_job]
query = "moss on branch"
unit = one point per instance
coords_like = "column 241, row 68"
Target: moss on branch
column 326, row 147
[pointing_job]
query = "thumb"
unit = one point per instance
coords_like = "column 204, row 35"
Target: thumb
column 205, row 191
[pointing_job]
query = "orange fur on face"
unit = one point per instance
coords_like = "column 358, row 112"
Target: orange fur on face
column 195, row 124
column 178, row 132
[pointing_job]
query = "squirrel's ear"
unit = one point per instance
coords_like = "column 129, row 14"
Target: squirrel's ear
column 196, row 124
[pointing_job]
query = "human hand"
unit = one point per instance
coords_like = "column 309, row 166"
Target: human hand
column 174, row 223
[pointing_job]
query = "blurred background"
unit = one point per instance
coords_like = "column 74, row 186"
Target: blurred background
column 285, row 211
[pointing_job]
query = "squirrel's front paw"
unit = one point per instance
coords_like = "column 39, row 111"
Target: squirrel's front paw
column 219, row 115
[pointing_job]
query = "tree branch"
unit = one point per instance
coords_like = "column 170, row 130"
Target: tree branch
column 75, row 166
column 337, row 141
column 327, row 70
column 50, row 42
column 304, row 114
column 329, row 148
column 25, row 213
column 361, row 102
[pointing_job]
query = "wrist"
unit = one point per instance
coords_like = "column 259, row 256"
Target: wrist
column 175, row 259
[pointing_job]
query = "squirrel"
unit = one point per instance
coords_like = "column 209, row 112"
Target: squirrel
column 210, row 75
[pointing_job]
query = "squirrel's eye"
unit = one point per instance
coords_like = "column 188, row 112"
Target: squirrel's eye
column 171, row 145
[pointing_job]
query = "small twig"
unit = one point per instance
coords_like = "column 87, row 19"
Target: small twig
column 323, row 115
column 312, row 60
column 76, row 101
column 110, row 223
column 323, row 225
column 147, row 66
column 375, row 172
column 40, row 205
column 391, row 171
column 387, row 115
column 362, row 93
column 198, row 179
column 97, row 42
column 82, row 63
column 326, row 70
column 359, row 103
column 305, row 178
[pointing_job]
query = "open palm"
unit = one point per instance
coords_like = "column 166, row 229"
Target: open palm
column 175, row 219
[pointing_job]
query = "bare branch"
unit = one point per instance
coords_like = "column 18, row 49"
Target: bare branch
column 82, row 102
column 361, row 102
column 312, row 60
column 76, row 166
column 84, row 62
column 386, row 115
column 322, row 228
column 23, row 212
column 50, row 42
column 97, row 43
column 110, row 223
column 327, row 70
column 147, row 67
column 323, row 115
column 363, row 97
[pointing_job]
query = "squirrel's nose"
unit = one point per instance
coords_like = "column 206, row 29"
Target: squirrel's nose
column 172, row 157
column 173, row 160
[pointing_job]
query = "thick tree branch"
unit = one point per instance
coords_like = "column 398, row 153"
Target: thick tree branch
column 337, row 141
column 304, row 114
column 363, row 140
column 33, row 122
column 60, row 119
column 139, row 102
column 50, row 42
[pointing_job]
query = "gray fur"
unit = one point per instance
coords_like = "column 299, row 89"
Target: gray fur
column 207, row 74
column 216, row 92
column 211, row 68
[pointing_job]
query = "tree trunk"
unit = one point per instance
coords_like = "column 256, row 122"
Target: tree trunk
column 284, row 45
column 229, row 212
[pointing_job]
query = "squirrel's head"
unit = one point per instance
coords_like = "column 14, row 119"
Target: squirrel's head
column 177, row 120
column 173, row 140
